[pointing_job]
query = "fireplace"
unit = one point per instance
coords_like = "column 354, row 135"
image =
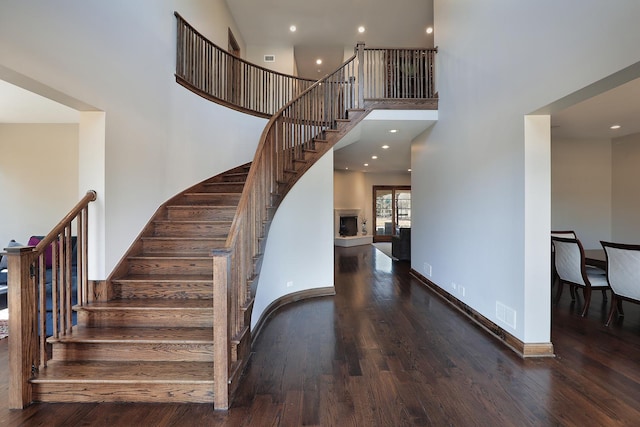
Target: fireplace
column 349, row 218
column 348, row 226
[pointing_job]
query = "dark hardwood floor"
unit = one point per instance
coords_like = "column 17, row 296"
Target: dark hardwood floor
column 385, row 351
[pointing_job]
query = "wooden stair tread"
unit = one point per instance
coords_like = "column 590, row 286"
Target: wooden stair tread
column 178, row 238
column 138, row 335
column 176, row 255
column 166, row 278
column 209, row 193
column 192, row 221
column 201, row 206
column 125, row 372
column 150, row 304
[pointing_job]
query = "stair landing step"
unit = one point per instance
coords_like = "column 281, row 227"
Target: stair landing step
column 138, row 335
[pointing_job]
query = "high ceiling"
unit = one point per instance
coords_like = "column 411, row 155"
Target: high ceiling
column 325, row 28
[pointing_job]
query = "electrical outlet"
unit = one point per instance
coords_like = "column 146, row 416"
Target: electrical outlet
column 427, row 269
column 289, row 284
column 506, row 314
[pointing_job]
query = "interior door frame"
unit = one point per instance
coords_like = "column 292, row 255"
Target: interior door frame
column 393, row 189
column 233, row 71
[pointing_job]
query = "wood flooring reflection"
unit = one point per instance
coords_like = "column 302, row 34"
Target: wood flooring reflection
column 385, row 351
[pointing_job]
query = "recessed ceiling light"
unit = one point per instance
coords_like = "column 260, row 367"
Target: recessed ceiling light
column 292, row 28
column 318, row 61
column 374, row 157
column 429, row 30
column 615, row 127
column 366, row 164
column 361, row 29
column 393, row 131
column 384, row 147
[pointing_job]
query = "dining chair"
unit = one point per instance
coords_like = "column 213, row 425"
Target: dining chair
column 569, row 234
column 623, row 274
column 570, row 266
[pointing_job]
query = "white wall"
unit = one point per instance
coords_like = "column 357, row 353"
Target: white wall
column 581, row 188
column 38, row 178
column 626, row 189
column 299, row 249
column 497, row 62
column 119, row 58
column 284, row 62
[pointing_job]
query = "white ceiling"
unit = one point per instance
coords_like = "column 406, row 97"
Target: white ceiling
column 368, row 137
column 592, row 119
column 326, row 27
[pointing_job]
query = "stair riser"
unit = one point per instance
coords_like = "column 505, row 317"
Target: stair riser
column 211, row 199
column 201, row 213
column 133, row 351
column 123, row 392
column 199, row 246
column 184, row 290
column 146, row 318
column 189, row 229
column 171, row 266
column 218, row 187
column 236, row 177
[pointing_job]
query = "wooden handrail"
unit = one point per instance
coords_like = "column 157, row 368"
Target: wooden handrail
column 73, row 213
column 31, row 270
column 262, row 149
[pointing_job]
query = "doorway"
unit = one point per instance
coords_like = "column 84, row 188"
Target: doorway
column 392, row 211
column 233, row 70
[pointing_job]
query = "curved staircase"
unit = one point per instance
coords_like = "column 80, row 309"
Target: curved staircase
column 172, row 323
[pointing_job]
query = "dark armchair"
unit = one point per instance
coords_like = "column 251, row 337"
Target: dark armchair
column 401, row 245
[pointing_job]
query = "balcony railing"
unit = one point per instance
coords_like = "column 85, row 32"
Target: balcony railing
column 217, row 75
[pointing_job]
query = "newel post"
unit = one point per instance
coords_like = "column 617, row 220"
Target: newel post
column 360, row 50
column 23, row 338
column 221, row 337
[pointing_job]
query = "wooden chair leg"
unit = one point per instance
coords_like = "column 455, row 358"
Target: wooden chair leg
column 572, row 289
column 604, row 295
column 620, row 310
column 614, row 307
column 587, row 300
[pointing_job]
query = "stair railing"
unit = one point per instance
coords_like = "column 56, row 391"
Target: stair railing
column 217, row 75
column 286, row 149
column 41, row 282
column 289, row 133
